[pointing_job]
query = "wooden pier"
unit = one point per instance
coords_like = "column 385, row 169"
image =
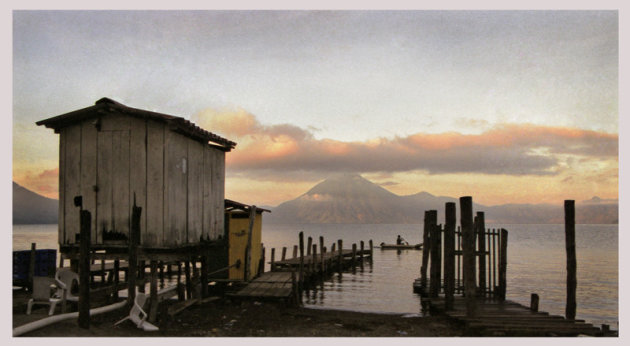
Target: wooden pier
column 288, row 277
column 472, row 287
column 506, row 318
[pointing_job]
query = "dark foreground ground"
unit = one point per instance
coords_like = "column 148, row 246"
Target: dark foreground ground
column 227, row 318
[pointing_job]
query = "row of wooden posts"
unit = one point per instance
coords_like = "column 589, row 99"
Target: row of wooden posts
column 463, row 252
column 474, row 244
column 135, row 273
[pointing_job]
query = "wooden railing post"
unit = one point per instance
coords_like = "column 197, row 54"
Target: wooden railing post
column 449, row 255
column 468, row 242
column 533, row 305
column 340, row 257
column 503, row 264
column 569, row 231
column 481, row 246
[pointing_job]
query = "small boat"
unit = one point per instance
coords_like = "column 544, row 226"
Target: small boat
column 401, row 246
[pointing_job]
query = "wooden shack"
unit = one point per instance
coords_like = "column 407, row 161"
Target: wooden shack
column 114, row 156
column 237, row 220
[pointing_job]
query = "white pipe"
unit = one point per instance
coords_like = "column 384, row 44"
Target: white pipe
column 54, row 319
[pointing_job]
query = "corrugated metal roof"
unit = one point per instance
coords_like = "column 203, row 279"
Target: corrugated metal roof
column 106, row 105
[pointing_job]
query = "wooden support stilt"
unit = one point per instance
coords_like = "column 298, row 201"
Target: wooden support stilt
column 84, row 269
column 141, row 276
column 189, row 287
column 153, row 288
column 116, row 277
column 134, row 240
column 468, row 240
column 204, row 274
column 569, row 232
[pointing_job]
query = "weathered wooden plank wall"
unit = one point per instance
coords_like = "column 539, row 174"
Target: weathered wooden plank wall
column 155, row 184
column 72, row 181
column 178, row 181
column 138, row 170
column 195, row 193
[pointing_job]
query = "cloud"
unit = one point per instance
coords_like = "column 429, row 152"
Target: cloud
column 509, row 149
column 45, row 183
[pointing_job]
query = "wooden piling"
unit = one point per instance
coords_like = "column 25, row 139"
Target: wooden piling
column 188, row 280
column 503, row 264
column 340, row 257
column 460, row 270
column 248, row 248
column 533, row 305
column 295, row 251
column 313, row 265
column 134, row 240
column 481, row 246
column 301, row 277
column 84, row 269
column 261, row 266
column 321, row 254
column 309, row 246
column 361, row 252
column 153, row 288
column 494, row 262
column 569, row 232
column 434, row 239
column 449, row 255
column 468, row 242
column 204, row 274
column 371, row 249
column 141, row 276
column 284, row 253
column 333, row 247
column 273, row 259
column 354, row 255
column 116, row 277
column 426, row 251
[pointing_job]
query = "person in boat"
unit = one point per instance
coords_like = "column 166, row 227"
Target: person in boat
column 401, row 241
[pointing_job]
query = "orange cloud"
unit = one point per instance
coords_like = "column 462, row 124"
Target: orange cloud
column 45, row 183
column 508, row 149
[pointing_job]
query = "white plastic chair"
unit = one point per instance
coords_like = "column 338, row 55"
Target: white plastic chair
column 139, row 316
column 64, row 280
column 42, row 294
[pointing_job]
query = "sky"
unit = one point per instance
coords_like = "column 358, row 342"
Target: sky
column 504, row 106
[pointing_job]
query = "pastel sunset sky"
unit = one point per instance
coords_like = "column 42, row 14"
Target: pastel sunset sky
column 505, row 106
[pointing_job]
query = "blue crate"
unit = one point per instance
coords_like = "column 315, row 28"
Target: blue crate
column 45, row 263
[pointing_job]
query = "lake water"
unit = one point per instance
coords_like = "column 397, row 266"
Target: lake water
column 536, row 264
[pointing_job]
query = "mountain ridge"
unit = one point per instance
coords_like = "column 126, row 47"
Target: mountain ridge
column 32, row 208
column 350, row 198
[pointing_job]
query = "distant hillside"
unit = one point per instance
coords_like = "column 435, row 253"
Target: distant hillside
column 31, row 208
column 351, row 198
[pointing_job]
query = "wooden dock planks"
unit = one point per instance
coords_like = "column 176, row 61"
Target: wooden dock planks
column 268, row 285
column 507, row 318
